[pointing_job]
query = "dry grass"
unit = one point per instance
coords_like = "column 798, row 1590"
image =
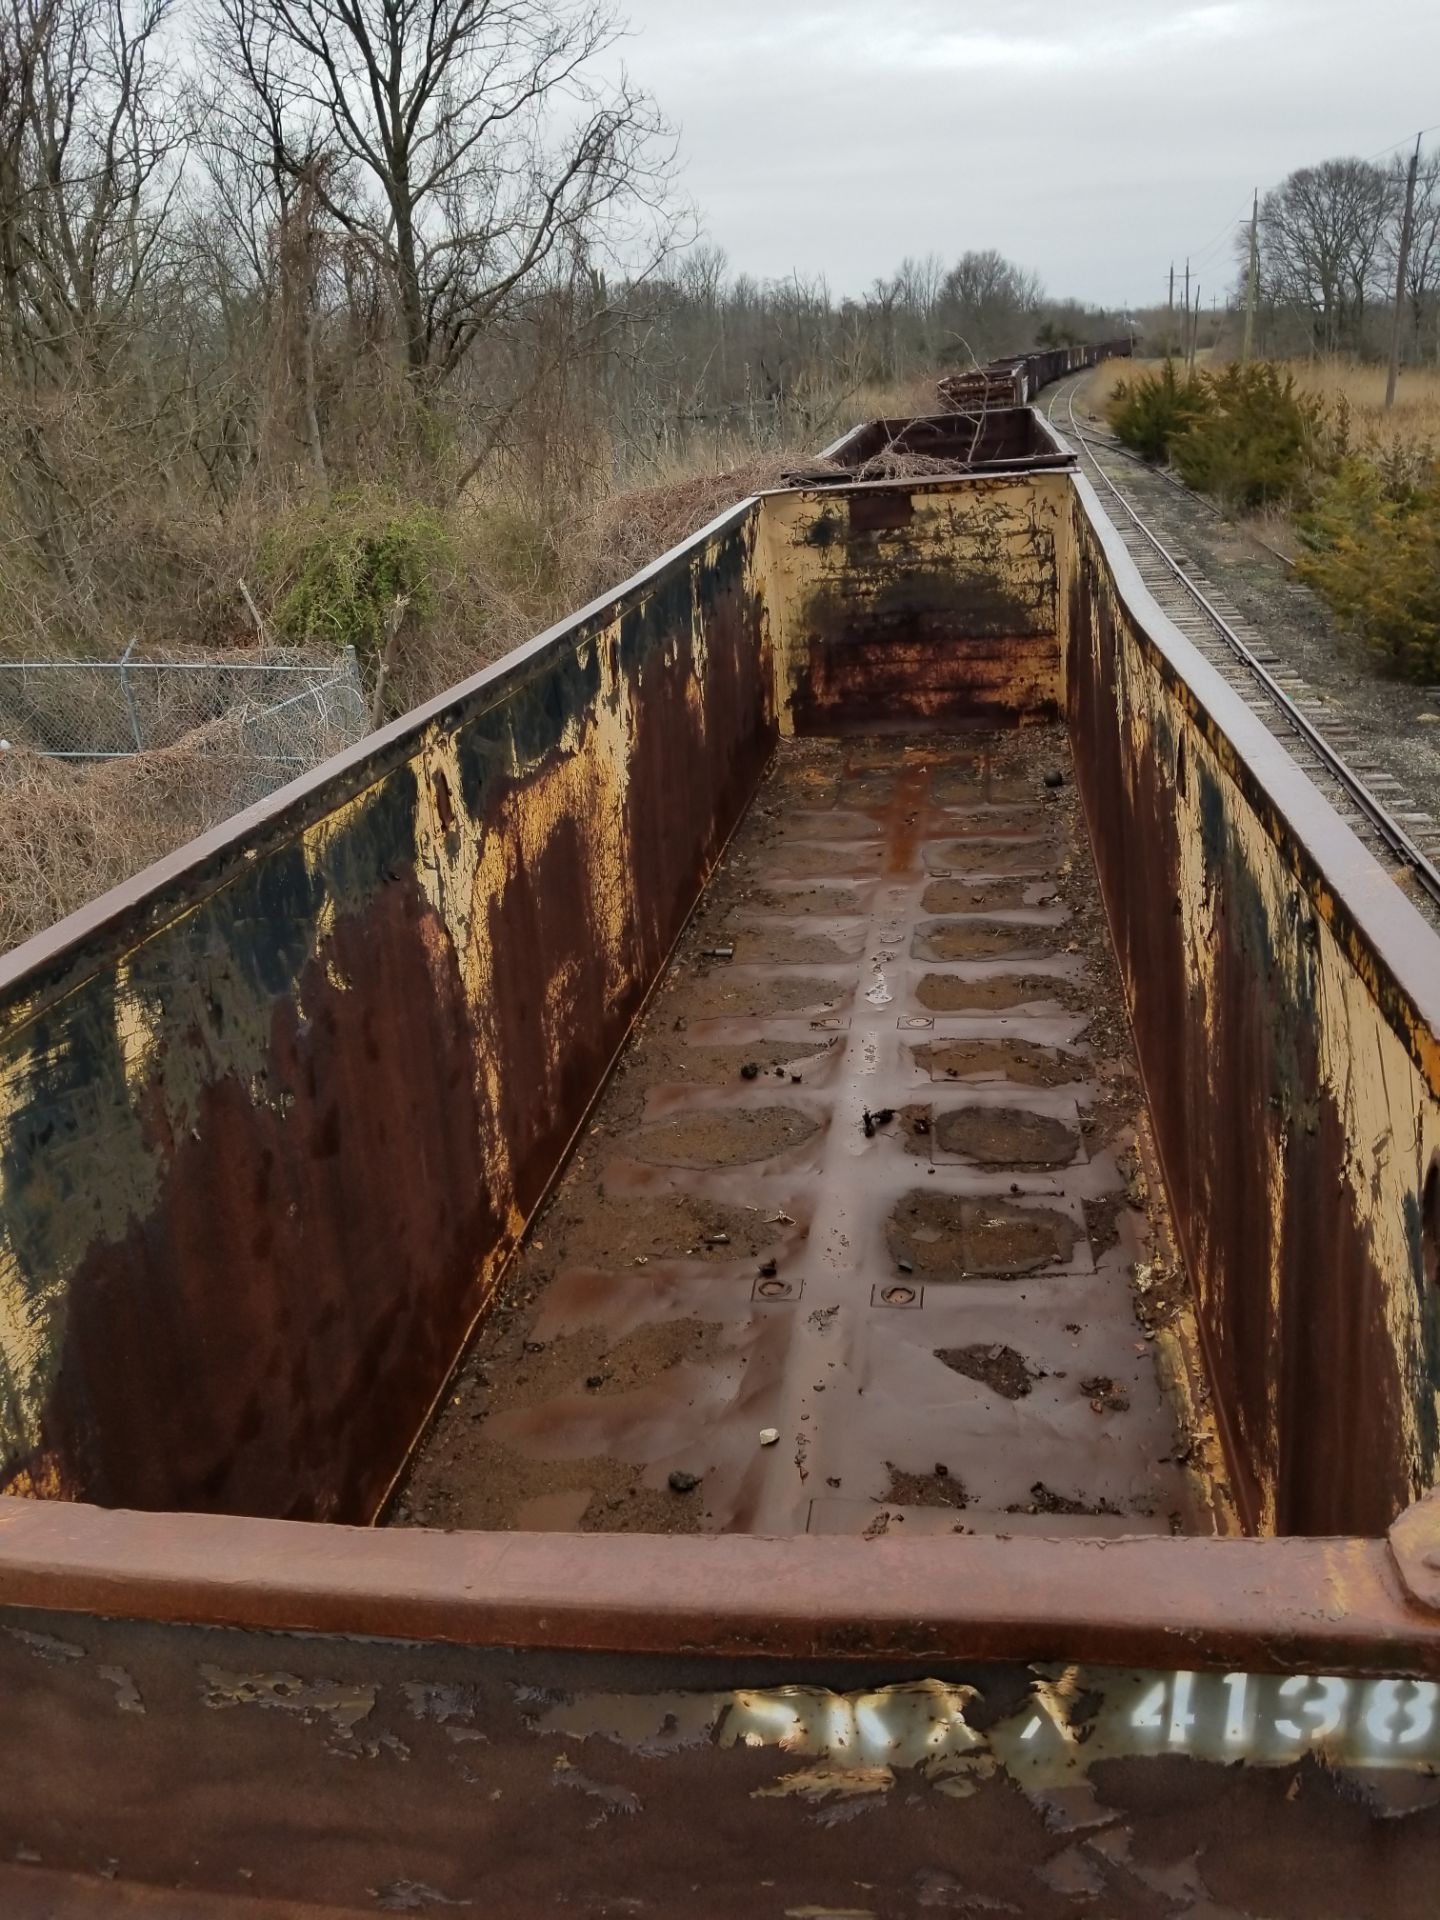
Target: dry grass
column 1415, row 418
column 619, row 535
column 1275, row 527
column 889, row 400
column 1094, row 392
column 1099, row 385
column 69, row 832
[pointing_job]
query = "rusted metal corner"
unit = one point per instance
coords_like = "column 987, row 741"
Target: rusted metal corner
column 1415, row 1545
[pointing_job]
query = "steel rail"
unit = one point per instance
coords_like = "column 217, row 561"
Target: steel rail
column 1384, row 824
column 1112, row 445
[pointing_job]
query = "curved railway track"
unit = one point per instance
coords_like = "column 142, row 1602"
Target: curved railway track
column 1372, row 802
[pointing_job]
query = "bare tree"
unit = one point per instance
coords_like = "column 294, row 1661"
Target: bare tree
column 87, row 138
column 89, row 149
column 989, row 302
column 920, row 283
column 1322, row 247
column 464, row 143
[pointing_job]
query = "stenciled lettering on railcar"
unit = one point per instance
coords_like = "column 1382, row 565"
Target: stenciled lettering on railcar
column 1039, row 1724
column 1082, row 1716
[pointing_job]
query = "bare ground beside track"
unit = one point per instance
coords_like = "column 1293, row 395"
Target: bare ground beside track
column 1398, row 725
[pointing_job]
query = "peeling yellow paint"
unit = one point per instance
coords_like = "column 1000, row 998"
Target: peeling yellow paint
column 40, row 1480
column 139, row 1026
column 1377, row 1071
column 820, row 1783
column 320, row 835
column 26, row 1309
column 1007, row 532
column 463, row 874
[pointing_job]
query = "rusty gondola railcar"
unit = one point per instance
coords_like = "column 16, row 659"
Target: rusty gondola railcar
column 848, row 1154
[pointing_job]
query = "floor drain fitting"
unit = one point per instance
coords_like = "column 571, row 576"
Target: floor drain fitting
column 897, row 1294
column 776, row 1290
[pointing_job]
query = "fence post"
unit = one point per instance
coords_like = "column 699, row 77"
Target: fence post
column 130, row 698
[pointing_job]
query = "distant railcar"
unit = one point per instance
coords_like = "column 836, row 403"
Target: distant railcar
column 1015, row 380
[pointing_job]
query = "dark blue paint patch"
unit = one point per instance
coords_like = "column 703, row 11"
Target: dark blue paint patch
column 217, row 973
column 824, row 531
column 1214, row 828
column 1427, row 1382
column 486, row 759
column 547, row 703
column 78, row 1072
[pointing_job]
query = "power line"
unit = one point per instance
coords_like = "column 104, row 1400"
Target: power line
column 1403, row 141
column 1203, row 253
column 1217, row 249
column 1201, row 256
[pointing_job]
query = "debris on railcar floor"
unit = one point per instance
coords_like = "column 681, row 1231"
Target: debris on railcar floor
column 867, row 1181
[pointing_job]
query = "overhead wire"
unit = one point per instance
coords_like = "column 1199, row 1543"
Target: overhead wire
column 1200, row 256
column 1403, row 141
column 1206, row 253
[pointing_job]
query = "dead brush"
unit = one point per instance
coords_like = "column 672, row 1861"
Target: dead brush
column 894, row 463
column 478, row 617
column 69, row 832
column 618, row 535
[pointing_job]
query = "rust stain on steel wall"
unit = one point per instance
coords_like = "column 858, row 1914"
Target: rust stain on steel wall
column 268, row 1136
column 383, row 1776
column 897, row 605
column 1291, row 1085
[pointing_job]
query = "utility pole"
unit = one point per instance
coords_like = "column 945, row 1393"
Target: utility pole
column 1185, row 326
column 1252, row 279
column 1195, row 328
column 1402, row 263
column 1170, row 312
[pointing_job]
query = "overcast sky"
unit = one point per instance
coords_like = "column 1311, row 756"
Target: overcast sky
column 1090, row 142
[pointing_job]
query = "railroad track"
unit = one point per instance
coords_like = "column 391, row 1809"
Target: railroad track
column 1373, row 802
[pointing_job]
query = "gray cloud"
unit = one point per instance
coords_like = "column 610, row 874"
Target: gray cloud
column 1088, row 142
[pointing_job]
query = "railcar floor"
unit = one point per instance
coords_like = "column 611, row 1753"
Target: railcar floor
column 861, row 1238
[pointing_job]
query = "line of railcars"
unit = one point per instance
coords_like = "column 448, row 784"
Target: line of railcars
column 1015, row 380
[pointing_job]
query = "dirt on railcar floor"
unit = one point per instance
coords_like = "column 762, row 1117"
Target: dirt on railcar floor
column 858, row 1223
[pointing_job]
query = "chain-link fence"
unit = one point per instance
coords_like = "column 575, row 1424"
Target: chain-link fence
column 108, row 765
column 296, row 708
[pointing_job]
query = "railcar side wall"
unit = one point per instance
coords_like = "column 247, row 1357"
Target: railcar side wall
column 269, row 1130
column 1276, row 978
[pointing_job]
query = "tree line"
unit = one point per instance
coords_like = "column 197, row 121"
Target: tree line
column 1329, row 241
column 261, row 250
